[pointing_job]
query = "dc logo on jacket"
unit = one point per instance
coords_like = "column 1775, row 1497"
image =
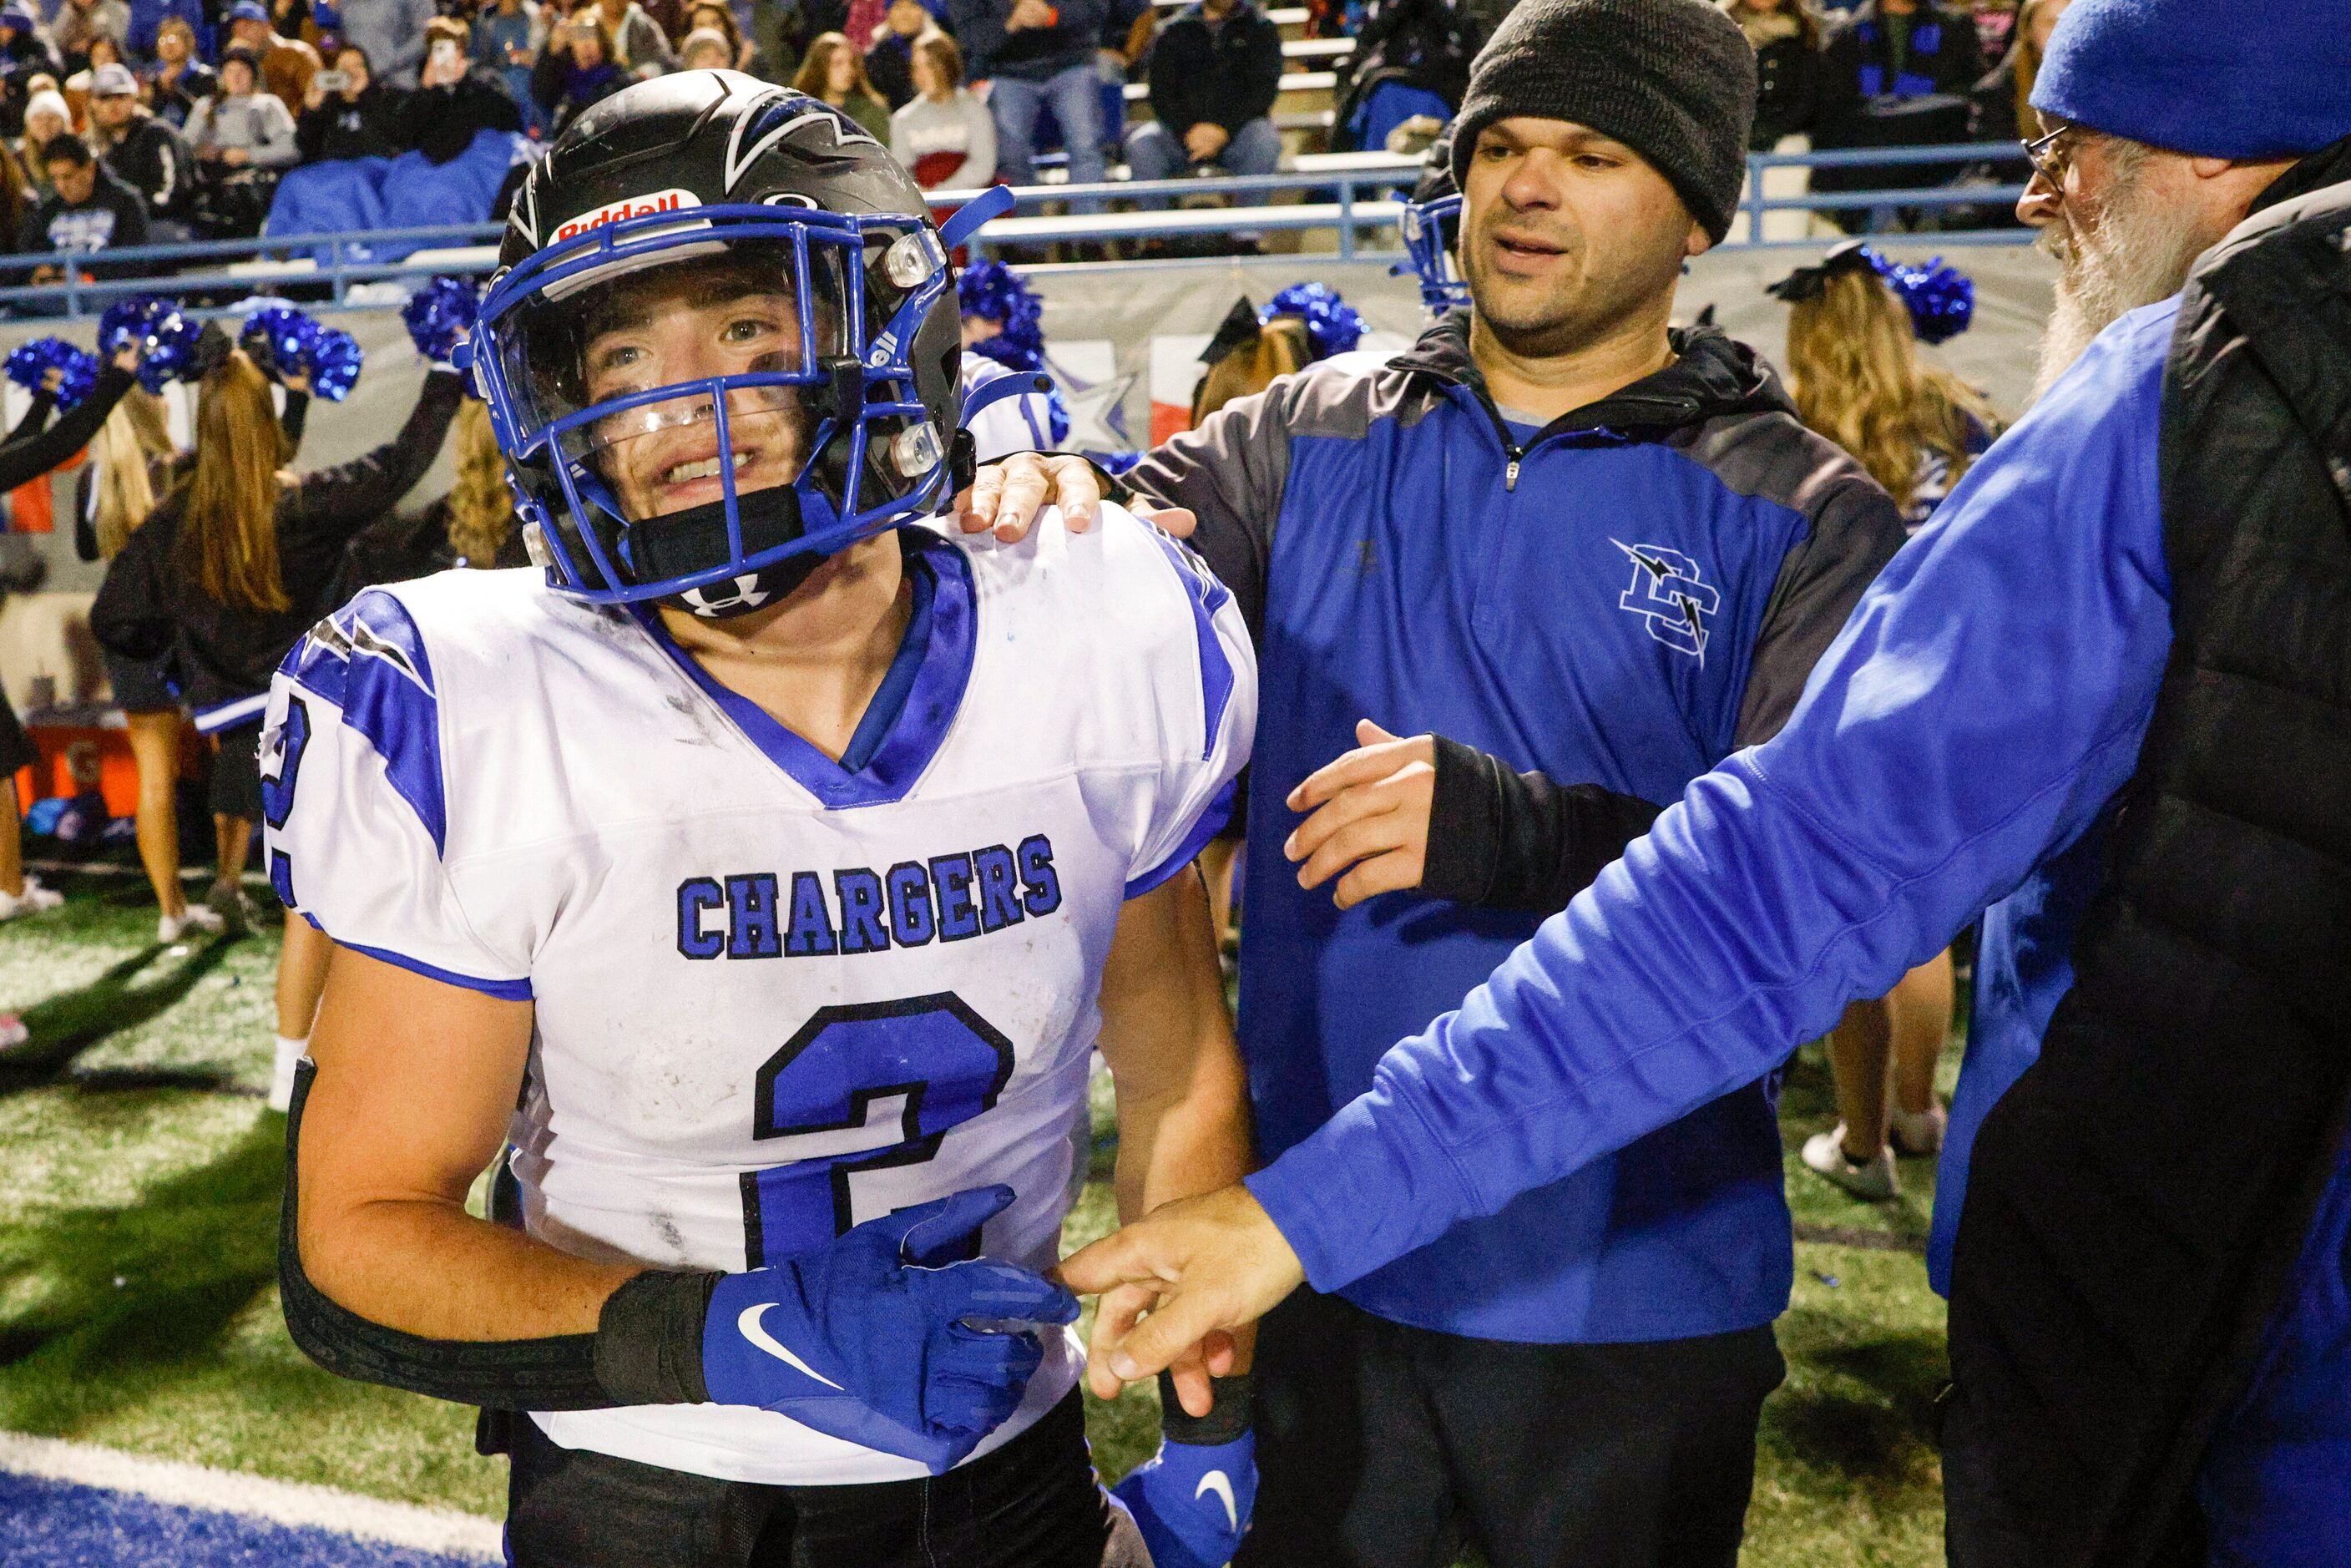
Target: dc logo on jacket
column 1668, row 593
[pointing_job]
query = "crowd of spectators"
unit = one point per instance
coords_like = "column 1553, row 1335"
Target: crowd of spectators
column 179, row 120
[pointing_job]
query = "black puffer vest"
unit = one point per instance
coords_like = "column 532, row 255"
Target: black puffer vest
column 2137, row 1200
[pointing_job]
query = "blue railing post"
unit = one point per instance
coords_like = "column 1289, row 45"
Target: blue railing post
column 1347, row 217
column 73, row 285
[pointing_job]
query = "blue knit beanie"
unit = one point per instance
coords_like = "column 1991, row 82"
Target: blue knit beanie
column 2213, row 78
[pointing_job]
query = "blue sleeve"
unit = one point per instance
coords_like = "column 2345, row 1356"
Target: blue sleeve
column 1988, row 694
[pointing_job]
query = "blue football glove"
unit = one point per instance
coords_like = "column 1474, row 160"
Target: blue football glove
column 1192, row 1502
column 860, row 1340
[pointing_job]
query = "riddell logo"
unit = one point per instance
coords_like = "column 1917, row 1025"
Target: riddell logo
column 668, row 201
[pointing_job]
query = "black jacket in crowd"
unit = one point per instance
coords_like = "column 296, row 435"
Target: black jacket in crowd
column 153, row 160
column 113, row 218
column 2138, row 1202
column 1224, row 73
column 150, row 609
column 1788, row 90
column 1874, row 58
column 442, row 122
column 368, row 126
column 888, row 65
column 174, row 99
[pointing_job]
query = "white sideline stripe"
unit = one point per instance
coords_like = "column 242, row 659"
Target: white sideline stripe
column 228, row 1491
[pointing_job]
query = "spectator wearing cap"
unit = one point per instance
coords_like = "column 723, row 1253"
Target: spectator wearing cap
column 705, row 50
column 643, row 49
column 180, row 80
column 142, row 150
column 25, row 53
column 890, row 54
column 47, row 118
column 77, row 21
column 285, row 65
column 719, row 18
column 147, row 19
column 507, row 37
column 392, row 34
column 87, row 212
column 353, row 117
column 1215, row 73
column 454, row 101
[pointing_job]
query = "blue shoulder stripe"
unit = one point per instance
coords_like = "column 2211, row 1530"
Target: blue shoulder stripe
column 368, row 660
column 1207, row 596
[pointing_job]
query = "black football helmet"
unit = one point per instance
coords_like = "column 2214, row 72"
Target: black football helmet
column 721, row 344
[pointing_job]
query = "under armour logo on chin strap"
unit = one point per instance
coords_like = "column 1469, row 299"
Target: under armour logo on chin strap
column 743, row 593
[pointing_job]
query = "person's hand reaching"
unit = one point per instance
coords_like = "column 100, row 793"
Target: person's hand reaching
column 1369, row 812
column 1178, row 1282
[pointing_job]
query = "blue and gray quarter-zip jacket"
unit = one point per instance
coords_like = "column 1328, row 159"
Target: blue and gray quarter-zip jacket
column 1616, row 602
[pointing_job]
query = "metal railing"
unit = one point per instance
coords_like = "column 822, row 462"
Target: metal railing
column 1350, row 202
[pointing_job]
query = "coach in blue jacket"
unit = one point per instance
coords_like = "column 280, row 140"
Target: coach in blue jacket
column 1597, row 557
column 2102, row 695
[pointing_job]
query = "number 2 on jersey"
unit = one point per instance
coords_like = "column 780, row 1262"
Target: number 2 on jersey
column 863, row 1087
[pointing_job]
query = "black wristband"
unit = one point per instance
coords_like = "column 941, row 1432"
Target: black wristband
column 649, row 1339
column 1227, row 1417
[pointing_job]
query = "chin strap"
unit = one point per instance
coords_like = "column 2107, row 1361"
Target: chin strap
column 996, row 389
column 969, row 219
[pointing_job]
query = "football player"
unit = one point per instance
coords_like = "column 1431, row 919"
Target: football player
column 764, row 869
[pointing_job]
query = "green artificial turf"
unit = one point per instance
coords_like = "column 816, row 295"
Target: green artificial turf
column 139, row 1176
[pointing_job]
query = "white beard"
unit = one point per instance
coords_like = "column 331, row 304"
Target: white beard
column 2132, row 253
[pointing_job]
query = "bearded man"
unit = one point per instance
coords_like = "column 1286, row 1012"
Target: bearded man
column 2101, row 700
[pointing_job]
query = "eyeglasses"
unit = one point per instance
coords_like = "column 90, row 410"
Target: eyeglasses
column 2051, row 155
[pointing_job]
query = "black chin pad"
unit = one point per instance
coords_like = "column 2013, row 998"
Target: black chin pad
column 695, row 540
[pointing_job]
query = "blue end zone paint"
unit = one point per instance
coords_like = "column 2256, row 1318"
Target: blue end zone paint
column 57, row 1524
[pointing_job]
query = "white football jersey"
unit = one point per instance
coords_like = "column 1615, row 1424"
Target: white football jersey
column 775, row 998
column 1023, row 424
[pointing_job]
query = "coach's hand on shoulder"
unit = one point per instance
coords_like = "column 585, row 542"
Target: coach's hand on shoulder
column 1007, row 496
column 1185, row 1274
column 1370, row 810
column 872, row 1339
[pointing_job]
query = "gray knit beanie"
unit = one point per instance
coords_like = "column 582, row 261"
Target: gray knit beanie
column 1672, row 79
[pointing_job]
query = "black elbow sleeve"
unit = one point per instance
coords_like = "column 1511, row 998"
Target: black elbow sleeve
column 1504, row 839
column 647, row 1349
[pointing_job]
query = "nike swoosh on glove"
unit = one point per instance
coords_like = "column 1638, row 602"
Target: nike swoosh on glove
column 1192, row 1501
column 862, row 1340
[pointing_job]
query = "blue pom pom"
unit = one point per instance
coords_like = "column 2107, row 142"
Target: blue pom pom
column 281, row 339
column 440, row 313
column 171, row 336
column 1941, row 299
column 1333, row 326
column 993, row 292
column 30, row 362
column 126, row 320
column 335, row 366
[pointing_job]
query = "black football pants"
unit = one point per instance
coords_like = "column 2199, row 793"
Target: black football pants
column 1380, row 1446
column 1033, row 1503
